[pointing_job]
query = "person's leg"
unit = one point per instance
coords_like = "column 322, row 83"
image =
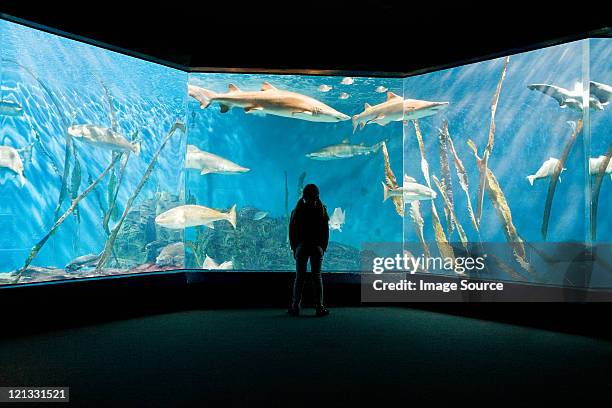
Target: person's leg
column 316, row 259
column 301, row 261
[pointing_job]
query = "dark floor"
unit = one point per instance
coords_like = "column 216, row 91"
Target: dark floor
column 248, row 357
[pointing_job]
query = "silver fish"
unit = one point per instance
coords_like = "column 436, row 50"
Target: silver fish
column 185, row 216
column 210, row 163
column 104, row 137
column 344, row 150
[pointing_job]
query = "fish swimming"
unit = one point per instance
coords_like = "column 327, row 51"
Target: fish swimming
column 104, row 137
column 602, row 92
column 259, row 215
column 344, row 95
column 171, row 255
column 325, row 88
column 567, row 98
column 344, row 150
column 185, row 216
column 347, row 81
column 269, row 100
column 211, row 264
column 394, row 109
column 9, row 158
column 596, row 162
column 337, row 219
column 546, row 170
column 381, row 89
column 210, row 163
column 85, row 261
column 410, row 191
column 10, row 108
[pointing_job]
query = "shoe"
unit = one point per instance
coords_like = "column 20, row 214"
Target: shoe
column 322, row 311
column 293, row 311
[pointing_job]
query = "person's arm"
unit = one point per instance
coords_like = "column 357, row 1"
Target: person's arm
column 292, row 232
column 324, row 230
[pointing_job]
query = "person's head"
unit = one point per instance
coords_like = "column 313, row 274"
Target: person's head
column 310, row 194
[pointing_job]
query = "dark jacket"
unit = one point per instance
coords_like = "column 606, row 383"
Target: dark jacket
column 309, row 225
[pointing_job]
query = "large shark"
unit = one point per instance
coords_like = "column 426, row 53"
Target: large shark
column 185, row 216
column 104, row 137
column 546, row 170
column 9, row 158
column 602, row 92
column 394, row 109
column 595, row 164
column 569, row 98
column 210, row 163
column 344, row 150
column 410, row 191
column 269, row 100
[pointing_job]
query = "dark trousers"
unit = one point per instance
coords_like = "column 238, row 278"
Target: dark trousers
column 302, row 253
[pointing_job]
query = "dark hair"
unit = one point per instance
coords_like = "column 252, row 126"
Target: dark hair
column 310, row 198
column 310, row 192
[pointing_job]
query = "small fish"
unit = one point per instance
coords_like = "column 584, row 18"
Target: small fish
column 185, row 216
column 344, row 150
column 344, row 95
column 381, row 89
column 337, row 219
column 10, row 108
column 210, row 163
column 104, row 137
column 596, row 162
column 325, row 88
column 171, row 255
column 9, row 158
column 259, row 215
column 546, row 170
column 410, row 191
column 211, row 264
column 347, row 81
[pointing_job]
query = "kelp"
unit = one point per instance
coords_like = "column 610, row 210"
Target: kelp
column 75, row 184
column 391, row 182
column 490, row 142
column 300, row 184
column 497, row 197
column 445, row 175
column 97, row 196
column 60, row 221
column 601, row 173
column 48, row 157
column 110, row 242
column 451, row 212
column 463, row 178
column 417, row 219
column 443, row 246
column 554, row 178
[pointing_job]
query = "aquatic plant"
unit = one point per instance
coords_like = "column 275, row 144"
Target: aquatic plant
column 445, row 175
column 417, row 220
column 391, row 182
column 555, row 177
column 451, row 212
column 113, row 235
column 300, row 185
column 490, row 142
column 595, row 191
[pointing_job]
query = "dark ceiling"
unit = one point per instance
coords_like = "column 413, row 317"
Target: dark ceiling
column 373, row 36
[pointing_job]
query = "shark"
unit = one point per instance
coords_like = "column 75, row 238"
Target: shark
column 104, row 137
column 410, row 191
column 344, row 150
column 10, row 159
column 567, row 98
column 211, row 264
column 602, row 92
column 595, row 164
column 185, row 216
column 268, row 100
column 395, row 109
column 10, row 108
column 210, row 163
column 546, row 170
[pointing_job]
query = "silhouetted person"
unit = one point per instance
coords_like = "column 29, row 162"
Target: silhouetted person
column 308, row 236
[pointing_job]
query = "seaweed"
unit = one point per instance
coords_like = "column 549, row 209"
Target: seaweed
column 113, row 192
column 497, row 197
column 463, row 178
column 300, row 185
column 113, row 235
column 445, row 175
column 451, row 212
column 60, row 221
column 417, row 218
column 75, row 184
column 391, row 182
column 443, row 246
column 490, row 142
column 97, row 195
column 595, row 191
column 45, row 152
column 552, row 186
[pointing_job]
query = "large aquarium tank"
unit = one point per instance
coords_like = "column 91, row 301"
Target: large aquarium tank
column 114, row 165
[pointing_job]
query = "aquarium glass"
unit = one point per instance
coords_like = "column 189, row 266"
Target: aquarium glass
column 114, row 165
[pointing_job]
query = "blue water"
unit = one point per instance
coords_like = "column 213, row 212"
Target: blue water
column 149, row 98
